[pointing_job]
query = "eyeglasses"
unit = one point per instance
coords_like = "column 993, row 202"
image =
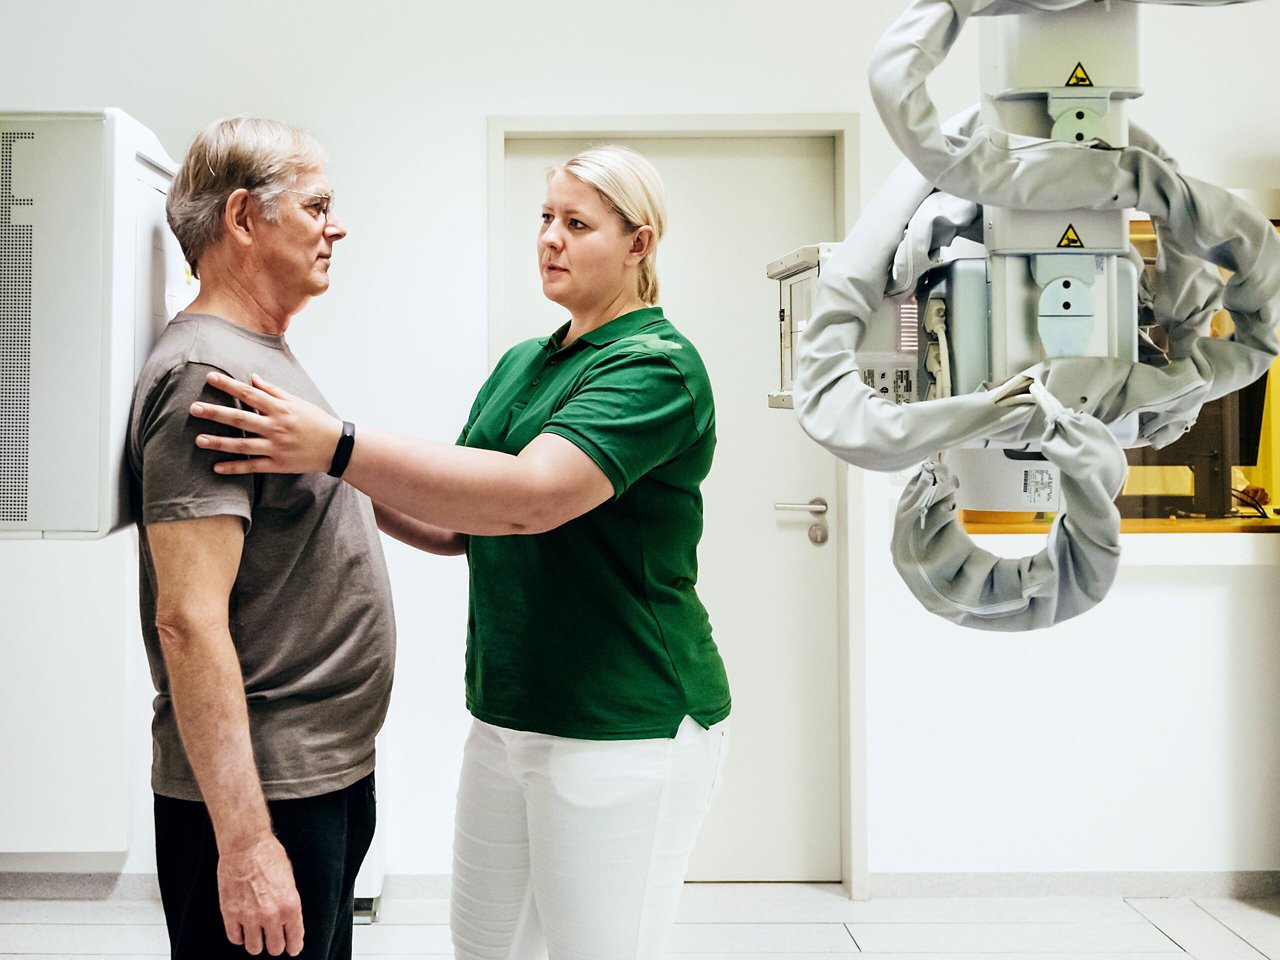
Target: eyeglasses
column 323, row 205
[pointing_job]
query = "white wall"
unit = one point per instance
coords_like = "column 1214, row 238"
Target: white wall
column 399, row 92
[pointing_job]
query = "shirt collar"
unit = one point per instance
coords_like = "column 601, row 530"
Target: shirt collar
column 611, row 332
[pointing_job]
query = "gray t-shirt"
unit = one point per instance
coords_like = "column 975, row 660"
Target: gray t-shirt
column 310, row 612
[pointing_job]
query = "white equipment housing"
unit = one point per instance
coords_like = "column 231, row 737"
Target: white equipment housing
column 887, row 356
column 1064, row 76
column 1059, row 283
column 89, row 274
column 796, row 273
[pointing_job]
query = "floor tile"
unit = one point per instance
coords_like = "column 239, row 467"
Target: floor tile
column 1074, row 955
column 1068, row 938
column 403, row 938
column 828, row 903
column 1194, row 930
column 82, row 911
column 770, row 938
column 764, row 902
column 414, row 911
column 1257, row 922
column 64, row 940
column 1077, row 910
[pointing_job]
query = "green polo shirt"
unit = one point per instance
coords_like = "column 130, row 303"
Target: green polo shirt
column 594, row 630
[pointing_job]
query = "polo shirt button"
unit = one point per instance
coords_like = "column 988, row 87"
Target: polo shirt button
column 537, row 380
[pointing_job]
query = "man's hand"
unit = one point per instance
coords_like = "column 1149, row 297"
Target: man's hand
column 260, row 904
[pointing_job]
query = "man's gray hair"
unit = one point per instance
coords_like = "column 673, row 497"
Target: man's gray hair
column 258, row 155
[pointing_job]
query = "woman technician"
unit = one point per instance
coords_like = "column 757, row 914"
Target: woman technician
column 599, row 698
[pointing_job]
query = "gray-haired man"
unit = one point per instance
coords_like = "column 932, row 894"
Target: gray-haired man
column 266, row 605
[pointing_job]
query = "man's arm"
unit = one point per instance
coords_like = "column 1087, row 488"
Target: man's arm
column 195, row 563
column 423, row 536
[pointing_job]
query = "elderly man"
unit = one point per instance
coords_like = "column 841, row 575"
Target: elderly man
column 266, row 606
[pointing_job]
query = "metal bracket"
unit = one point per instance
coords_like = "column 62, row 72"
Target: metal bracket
column 1065, row 313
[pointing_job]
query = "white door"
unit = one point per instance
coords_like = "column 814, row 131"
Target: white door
column 734, row 204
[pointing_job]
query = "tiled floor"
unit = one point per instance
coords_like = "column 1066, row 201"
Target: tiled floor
column 759, row 922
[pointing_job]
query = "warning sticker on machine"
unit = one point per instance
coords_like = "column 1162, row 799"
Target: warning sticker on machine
column 1070, row 238
column 1039, row 488
column 1079, row 77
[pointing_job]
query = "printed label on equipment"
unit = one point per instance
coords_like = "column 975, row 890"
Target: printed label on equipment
column 896, row 383
column 1070, row 238
column 1039, row 488
column 1079, row 77
column 904, row 385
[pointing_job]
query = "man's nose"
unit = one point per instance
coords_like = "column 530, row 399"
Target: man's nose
column 334, row 228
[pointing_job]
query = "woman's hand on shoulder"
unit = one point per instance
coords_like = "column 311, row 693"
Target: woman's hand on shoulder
column 290, row 435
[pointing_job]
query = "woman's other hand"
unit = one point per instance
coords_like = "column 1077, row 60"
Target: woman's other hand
column 290, row 434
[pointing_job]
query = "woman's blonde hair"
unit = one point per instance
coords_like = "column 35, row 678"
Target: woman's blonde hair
column 631, row 186
column 258, row 155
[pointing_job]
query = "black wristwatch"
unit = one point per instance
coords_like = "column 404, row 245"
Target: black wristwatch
column 342, row 452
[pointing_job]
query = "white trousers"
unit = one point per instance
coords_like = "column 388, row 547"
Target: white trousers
column 576, row 849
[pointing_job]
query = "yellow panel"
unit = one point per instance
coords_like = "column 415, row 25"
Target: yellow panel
column 1170, row 481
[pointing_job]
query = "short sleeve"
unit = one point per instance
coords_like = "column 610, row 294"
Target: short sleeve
column 633, row 412
column 483, row 396
column 476, row 407
column 178, row 481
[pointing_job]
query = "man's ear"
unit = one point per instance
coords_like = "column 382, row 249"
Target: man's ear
column 240, row 216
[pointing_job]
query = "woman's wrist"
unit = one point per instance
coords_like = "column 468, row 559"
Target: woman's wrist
column 342, row 452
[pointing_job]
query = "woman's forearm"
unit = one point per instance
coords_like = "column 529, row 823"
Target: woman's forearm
column 481, row 492
column 462, row 489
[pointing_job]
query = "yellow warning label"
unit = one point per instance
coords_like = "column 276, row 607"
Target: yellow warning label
column 1070, row 238
column 1079, row 77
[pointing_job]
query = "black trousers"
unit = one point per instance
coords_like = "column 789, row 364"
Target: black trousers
column 326, row 838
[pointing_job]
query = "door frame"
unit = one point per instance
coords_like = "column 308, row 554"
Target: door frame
column 842, row 129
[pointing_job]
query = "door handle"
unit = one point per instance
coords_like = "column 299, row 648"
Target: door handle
column 815, row 506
